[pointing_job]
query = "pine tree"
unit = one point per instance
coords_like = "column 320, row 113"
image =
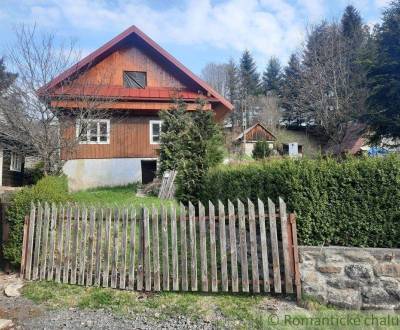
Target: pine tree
column 384, row 77
column 352, row 27
column 232, row 82
column 249, row 86
column 290, row 91
column 272, row 77
column 249, row 77
column 6, row 78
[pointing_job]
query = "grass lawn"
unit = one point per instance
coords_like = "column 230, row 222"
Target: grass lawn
column 115, row 196
column 222, row 310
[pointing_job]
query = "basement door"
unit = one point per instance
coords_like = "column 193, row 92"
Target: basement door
column 149, row 170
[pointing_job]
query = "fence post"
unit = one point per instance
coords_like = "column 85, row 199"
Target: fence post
column 24, row 246
column 295, row 256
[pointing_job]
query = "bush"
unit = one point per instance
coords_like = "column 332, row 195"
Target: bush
column 51, row 189
column 261, row 150
column 350, row 203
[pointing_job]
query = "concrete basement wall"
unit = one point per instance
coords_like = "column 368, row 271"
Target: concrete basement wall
column 353, row 278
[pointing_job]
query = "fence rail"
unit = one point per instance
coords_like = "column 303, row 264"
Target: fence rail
column 238, row 248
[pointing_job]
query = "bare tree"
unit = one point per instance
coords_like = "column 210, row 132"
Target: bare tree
column 31, row 114
column 331, row 96
column 217, row 76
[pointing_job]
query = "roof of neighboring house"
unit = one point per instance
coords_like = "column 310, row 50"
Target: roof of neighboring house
column 352, row 143
column 102, row 52
column 253, row 129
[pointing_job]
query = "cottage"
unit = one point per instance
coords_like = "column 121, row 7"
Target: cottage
column 144, row 79
column 249, row 137
column 11, row 166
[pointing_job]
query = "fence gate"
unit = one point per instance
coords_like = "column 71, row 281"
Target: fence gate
column 227, row 248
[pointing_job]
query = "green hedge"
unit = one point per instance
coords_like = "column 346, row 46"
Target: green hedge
column 51, row 189
column 355, row 202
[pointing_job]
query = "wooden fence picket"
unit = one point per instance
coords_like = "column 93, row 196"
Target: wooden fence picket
column 53, row 222
column 106, row 270
column 114, row 256
column 89, row 275
column 285, row 242
column 60, row 234
column 203, row 248
column 122, row 271
column 65, row 243
column 165, row 247
column 193, row 248
column 97, row 274
column 274, row 247
column 82, row 262
column 222, row 238
column 184, row 263
column 264, row 248
column 67, row 238
column 146, row 249
column 213, row 249
column 243, row 247
column 253, row 247
column 174, row 246
column 36, row 254
column 132, row 247
column 45, row 236
column 156, row 249
column 233, row 252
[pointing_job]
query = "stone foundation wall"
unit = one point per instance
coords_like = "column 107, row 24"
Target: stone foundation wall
column 356, row 278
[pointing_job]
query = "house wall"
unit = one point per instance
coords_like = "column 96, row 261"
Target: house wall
column 11, row 178
column 110, row 70
column 258, row 133
column 91, row 173
column 129, row 138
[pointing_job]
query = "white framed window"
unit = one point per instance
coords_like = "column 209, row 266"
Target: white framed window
column 93, row 131
column 155, row 131
column 16, row 162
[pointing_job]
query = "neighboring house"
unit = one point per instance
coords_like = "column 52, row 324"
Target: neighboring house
column 11, row 166
column 251, row 135
column 355, row 142
column 144, row 79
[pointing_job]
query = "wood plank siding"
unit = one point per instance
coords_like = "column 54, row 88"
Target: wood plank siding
column 259, row 133
column 129, row 138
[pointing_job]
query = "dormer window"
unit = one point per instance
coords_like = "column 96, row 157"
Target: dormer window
column 135, row 79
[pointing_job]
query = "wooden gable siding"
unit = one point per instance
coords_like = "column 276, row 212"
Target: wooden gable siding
column 110, row 70
column 258, row 133
column 11, row 178
column 129, row 138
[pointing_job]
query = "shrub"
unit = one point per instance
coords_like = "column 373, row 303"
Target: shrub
column 191, row 143
column 350, row 203
column 261, row 150
column 51, row 189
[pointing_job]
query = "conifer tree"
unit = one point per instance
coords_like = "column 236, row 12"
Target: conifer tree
column 272, row 77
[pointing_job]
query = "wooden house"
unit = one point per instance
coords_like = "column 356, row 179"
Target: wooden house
column 143, row 79
column 248, row 138
column 11, row 166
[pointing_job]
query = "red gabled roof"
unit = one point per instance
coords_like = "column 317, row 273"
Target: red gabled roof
column 100, row 52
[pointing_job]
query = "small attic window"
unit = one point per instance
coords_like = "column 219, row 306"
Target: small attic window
column 135, row 79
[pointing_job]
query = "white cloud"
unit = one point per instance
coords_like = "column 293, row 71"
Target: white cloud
column 265, row 27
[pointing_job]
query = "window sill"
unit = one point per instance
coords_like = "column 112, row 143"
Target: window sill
column 94, row 142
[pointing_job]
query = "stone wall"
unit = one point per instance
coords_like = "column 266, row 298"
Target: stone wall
column 356, row 278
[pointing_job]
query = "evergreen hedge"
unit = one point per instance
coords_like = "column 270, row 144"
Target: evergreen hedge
column 50, row 189
column 355, row 202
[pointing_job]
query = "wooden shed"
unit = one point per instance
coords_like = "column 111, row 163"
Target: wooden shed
column 251, row 135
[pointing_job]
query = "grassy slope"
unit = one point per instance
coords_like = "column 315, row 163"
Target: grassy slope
column 111, row 196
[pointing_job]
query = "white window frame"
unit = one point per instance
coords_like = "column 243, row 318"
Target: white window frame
column 88, row 121
column 153, row 122
column 15, row 162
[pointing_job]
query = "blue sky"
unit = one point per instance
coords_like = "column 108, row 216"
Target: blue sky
column 194, row 31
